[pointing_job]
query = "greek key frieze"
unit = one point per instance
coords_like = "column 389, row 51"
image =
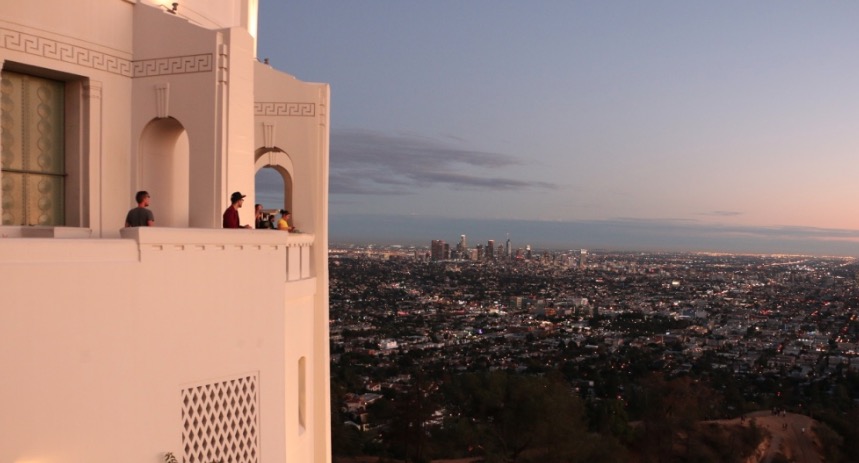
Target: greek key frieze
column 174, row 65
column 65, row 52
column 284, row 109
column 69, row 53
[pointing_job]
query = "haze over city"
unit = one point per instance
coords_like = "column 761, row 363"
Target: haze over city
column 728, row 126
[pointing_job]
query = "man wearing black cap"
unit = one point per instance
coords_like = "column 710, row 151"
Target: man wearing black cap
column 231, row 215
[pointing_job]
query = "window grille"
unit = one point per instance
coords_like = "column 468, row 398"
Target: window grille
column 220, row 422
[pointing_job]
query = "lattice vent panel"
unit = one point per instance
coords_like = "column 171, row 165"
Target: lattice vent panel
column 220, row 422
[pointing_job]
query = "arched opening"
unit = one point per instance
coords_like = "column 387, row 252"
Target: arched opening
column 164, row 162
column 273, row 180
column 270, row 189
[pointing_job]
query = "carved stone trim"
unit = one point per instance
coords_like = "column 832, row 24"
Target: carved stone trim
column 65, row 52
column 262, row 108
column 162, row 99
column 268, row 134
column 174, row 65
column 92, row 89
column 82, row 56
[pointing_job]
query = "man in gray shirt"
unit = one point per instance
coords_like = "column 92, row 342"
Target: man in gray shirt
column 140, row 216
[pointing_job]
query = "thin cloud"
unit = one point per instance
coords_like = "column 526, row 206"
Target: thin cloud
column 351, row 184
column 722, row 213
column 799, row 233
column 365, row 162
column 680, row 226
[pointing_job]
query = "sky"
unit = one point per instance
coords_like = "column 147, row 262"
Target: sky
column 728, row 126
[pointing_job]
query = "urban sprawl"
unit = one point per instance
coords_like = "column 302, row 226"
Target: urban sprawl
column 775, row 331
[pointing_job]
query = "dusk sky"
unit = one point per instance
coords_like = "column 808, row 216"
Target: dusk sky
column 712, row 126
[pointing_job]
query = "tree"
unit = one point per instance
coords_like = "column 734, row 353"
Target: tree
column 412, row 411
column 345, row 441
column 523, row 418
column 672, row 411
column 608, row 417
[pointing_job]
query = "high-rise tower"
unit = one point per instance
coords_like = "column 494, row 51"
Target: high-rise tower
column 437, row 249
column 462, row 248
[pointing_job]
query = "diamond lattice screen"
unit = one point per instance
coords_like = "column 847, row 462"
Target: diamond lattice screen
column 220, row 422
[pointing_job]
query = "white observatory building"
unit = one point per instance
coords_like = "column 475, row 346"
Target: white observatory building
column 126, row 344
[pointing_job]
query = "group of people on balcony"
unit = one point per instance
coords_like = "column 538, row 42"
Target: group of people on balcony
column 266, row 221
column 231, row 216
column 141, row 216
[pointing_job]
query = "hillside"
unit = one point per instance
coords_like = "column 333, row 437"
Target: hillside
column 790, row 437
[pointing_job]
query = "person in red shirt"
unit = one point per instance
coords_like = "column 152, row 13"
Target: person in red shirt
column 231, row 215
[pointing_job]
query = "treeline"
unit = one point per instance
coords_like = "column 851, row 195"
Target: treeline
column 508, row 417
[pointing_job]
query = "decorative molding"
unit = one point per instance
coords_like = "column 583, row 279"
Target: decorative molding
column 92, row 89
column 65, row 52
column 162, row 99
column 69, row 53
column 223, row 63
column 188, row 64
column 284, row 109
column 268, row 134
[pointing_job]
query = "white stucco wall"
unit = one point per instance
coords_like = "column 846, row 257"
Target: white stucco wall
column 212, row 100
column 102, row 64
column 298, row 113
column 98, row 337
column 298, row 118
column 84, row 22
column 99, row 334
column 214, row 14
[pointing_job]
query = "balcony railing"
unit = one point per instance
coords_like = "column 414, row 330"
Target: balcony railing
column 70, row 243
column 297, row 247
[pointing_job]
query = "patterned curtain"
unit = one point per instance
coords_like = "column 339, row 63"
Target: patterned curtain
column 32, row 154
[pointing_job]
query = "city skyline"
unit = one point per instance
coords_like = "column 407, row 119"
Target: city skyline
column 604, row 236
column 708, row 127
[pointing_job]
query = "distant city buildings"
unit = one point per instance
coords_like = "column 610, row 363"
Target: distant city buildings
column 440, row 250
column 765, row 320
column 437, row 249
